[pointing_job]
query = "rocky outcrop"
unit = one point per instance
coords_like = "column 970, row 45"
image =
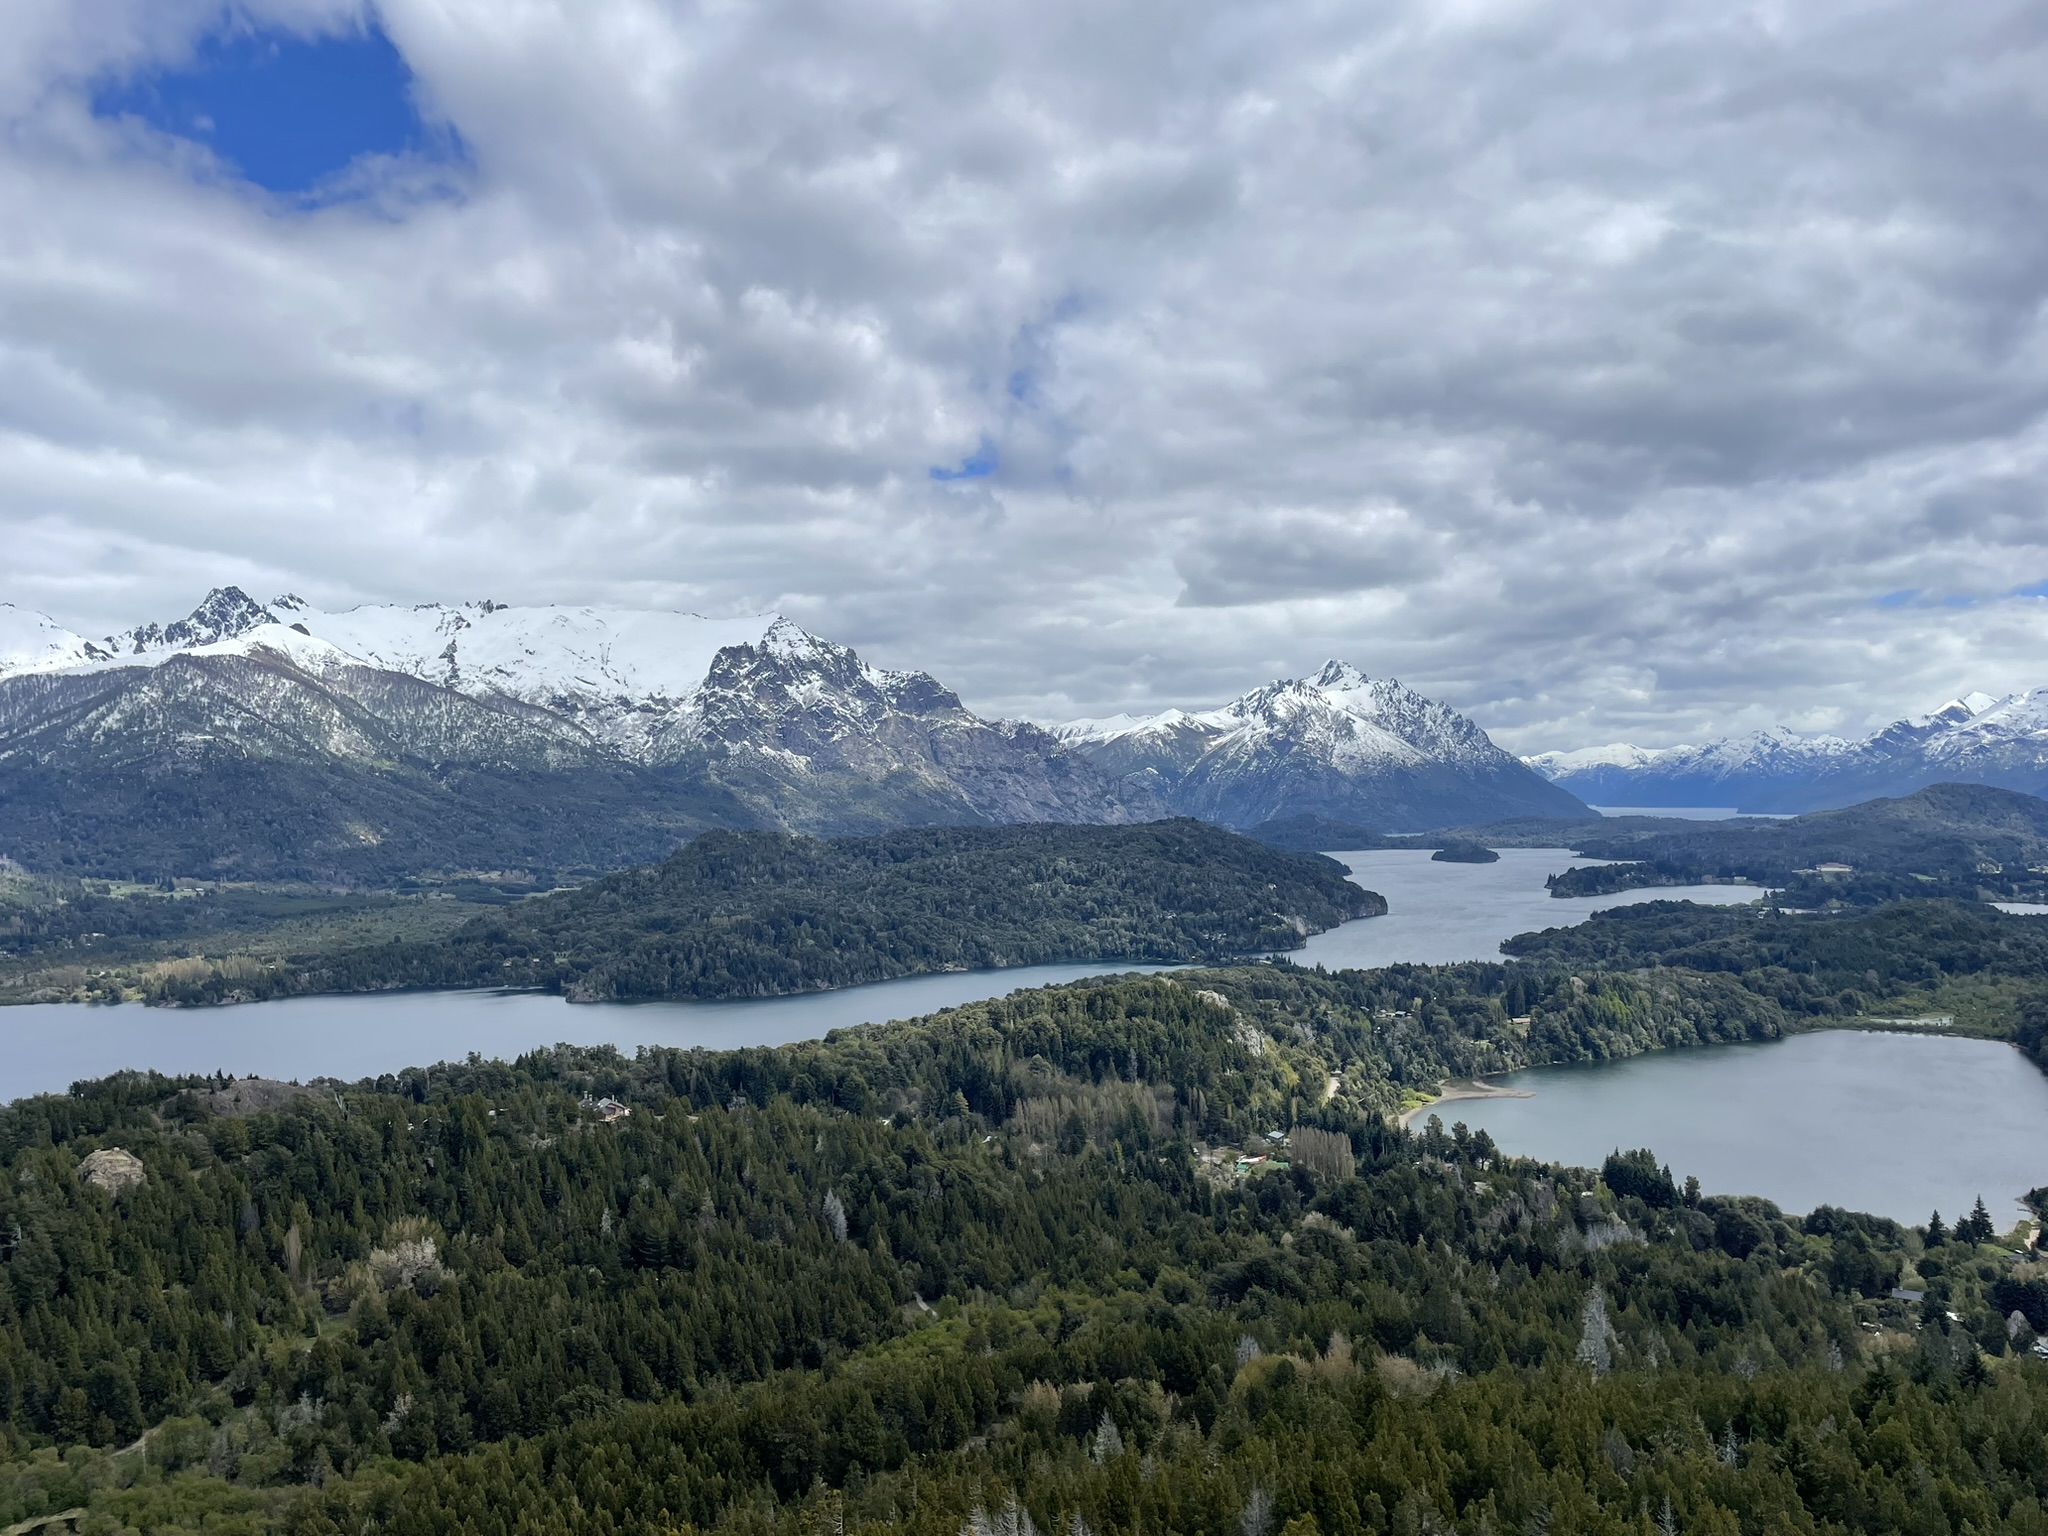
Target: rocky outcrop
column 112, row 1169
column 251, row 1096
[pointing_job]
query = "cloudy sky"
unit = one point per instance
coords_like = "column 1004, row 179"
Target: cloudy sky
column 1612, row 370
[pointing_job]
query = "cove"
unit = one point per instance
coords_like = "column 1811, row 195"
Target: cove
column 1895, row 1124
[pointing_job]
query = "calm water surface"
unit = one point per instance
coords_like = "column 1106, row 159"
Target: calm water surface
column 1892, row 1123
column 48, row 1047
column 1441, row 913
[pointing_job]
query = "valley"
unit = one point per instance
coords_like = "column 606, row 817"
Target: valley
column 1014, row 769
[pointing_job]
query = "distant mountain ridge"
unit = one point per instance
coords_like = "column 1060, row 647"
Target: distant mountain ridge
column 1339, row 745
column 1977, row 739
column 276, row 740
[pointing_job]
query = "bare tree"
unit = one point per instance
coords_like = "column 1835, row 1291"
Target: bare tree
column 1109, row 1441
column 1324, row 1152
column 1257, row 1518
column 1596, row 1334
column 1014, row 1520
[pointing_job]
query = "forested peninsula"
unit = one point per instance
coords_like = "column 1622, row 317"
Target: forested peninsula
column 730, row 914
column 1960, row 841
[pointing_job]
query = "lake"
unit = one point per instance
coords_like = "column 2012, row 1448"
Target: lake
column 1896, row 1124
column 1438, row 914
column 361, row 1034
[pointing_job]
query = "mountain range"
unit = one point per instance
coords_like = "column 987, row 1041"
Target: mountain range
column 279, row 741
column 1977, row 739
column 1339, row 745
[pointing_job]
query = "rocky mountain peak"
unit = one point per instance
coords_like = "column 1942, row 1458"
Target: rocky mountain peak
column 1338, row 743
column 226, row 613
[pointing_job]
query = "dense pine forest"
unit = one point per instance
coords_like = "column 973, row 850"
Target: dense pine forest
column 1136, row 1255
column 731, row 914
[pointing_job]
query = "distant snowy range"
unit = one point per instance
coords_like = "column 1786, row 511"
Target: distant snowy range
column 273, row 740
column 1977, row 739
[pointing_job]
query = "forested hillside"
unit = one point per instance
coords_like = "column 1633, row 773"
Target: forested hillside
column 732, row 914
column 997, row 1270
column 1963, row 958
column 1963, row 841
column 751, row 914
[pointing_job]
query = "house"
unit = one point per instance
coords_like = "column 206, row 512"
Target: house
column 610, row 1110
column 1833, row 871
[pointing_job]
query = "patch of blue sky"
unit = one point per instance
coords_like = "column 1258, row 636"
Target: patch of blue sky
column 978, row 465
column 1920, row 597
column 289, row 114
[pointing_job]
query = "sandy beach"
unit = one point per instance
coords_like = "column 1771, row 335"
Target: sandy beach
column 1462, row 1088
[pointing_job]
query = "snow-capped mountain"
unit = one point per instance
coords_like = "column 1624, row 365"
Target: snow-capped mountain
column 612, row 732
column 1339, row 745
column 1731, row 772
column 621, row 674
column 1976, row 739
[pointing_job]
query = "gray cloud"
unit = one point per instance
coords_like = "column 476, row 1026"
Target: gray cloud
column 1598, row 366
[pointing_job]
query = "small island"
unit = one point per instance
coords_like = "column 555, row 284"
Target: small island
column 1465, row 853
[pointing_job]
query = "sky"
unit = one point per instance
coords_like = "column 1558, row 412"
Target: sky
column 1610, row 370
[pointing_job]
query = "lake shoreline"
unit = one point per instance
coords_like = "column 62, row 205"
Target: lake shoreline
column 1857, row 1118
column 1451, row 1090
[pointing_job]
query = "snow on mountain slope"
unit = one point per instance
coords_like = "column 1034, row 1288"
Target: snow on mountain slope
column 1124, row 727
column 605, row 662
column 1616, row 754
column 677, row 721
column 2004, row 732
column 622, row 674
column 34, row 642
column 1974, row 739
column 1339, row 744
column 1340, row 713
